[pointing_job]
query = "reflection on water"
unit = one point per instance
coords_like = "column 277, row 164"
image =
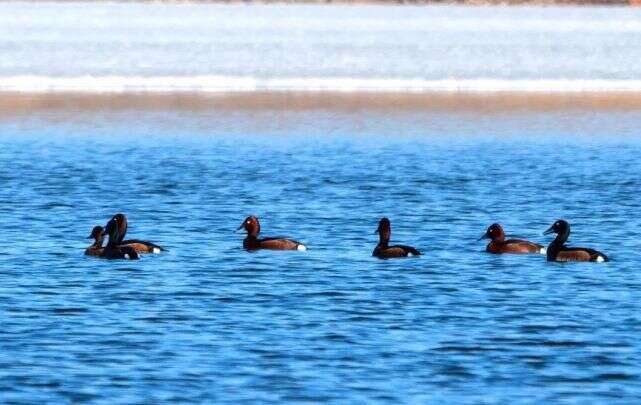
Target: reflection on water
column 209, row 322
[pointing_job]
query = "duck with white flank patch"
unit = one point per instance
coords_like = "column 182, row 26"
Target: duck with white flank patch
column 252, row 242
column 383, row 250
column 113, row 250
column 141, row 246
column 558, row 252
column 499, row 245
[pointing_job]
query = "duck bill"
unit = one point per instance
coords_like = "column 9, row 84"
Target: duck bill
column 548, row 231
column 484, row 236
column 240, row 227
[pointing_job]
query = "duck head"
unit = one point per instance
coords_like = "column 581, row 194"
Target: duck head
column 494, row 232
column 384, row 229
column 251, row 225
column 561, row 228
column 97, row 234
column 121, row 222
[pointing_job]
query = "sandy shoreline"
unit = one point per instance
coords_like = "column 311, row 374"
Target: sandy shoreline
column 24, row 103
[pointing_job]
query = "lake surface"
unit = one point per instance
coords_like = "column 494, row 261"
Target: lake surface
column 209, row 322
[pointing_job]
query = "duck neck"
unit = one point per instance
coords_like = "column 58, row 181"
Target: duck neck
column 383, row 239
column 113, row 239
column 561, row 237
column 98, row 241
column 252, row 232
column 122, row 230
column 557, row 244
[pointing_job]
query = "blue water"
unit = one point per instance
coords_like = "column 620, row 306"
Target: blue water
column 209, row 322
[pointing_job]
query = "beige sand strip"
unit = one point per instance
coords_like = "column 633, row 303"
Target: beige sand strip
column 22, row 103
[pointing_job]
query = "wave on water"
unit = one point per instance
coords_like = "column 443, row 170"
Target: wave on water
column 221, row 84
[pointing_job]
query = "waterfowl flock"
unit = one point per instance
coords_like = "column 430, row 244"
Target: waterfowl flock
column 119, row 248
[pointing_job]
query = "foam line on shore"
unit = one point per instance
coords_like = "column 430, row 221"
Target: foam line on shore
column 230, row 84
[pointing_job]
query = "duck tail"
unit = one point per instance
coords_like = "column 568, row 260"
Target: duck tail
column 413, row 252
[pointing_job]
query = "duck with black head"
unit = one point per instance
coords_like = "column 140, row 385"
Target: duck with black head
column 96, row 249
column 383, row 250
column 498, row 244
column 559, row 252
column 141, row 246
column 252, row 242
column 113, row 250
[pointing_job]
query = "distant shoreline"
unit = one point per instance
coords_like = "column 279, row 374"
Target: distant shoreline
column 12, row 104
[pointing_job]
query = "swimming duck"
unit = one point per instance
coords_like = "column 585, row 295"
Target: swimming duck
column 113, row 250
column 498, row 244
column 96, row 249
column 251, row 242
column 141, row 246
column 383, row 250
column 558, row 252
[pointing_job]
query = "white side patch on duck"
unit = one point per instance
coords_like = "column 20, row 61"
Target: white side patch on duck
column 410, row 254
column 543, row 251
column 301, row 248
column 126, row 256
column 155, row 250
column 600, row 259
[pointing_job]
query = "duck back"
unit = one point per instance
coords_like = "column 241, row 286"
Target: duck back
column 395, row 251
column 515, row 246
column 274, row 243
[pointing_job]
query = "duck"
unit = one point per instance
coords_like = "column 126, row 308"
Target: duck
column 383, row 250
column 559, row 252
column 499, row 245
column 252, row 242
column 141, row 246
column 113, row 250
column 98, row 235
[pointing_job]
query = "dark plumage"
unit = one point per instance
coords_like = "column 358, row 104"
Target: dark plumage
column 141, row 246
column 383, row 250
column 252, row 242
column 96, row 249
column 558, row 252
column 113, row 250
column 499, row 245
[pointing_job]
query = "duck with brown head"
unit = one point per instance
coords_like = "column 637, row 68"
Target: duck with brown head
column 96, row 249
column 558, row 252
column 141, row 246
column 498, row 244
column 252, row 242
column 383, row 250
column 113, row 250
